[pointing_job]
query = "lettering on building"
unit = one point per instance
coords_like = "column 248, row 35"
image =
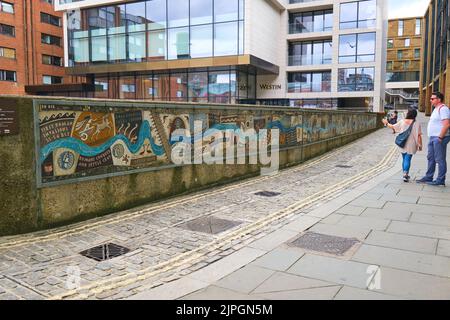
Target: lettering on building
column 265, row 86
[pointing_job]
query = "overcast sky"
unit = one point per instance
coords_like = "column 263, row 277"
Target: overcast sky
column 407, row 8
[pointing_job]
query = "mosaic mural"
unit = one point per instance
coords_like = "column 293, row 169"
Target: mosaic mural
column 87, row 141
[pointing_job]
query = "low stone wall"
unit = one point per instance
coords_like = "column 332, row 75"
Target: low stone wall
column 74, row 159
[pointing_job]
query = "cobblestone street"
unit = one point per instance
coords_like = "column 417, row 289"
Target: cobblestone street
column 351, row 192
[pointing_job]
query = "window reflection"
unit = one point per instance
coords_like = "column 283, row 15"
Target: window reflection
column 225, row 39
column 357, row 47
column 156, row 30
column 356, row 79
column 299, row 82
column 359, row 14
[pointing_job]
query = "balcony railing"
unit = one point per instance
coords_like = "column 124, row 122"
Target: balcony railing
column 403, row 94
column 300, row 87
column 306, row 27
column 301, row 60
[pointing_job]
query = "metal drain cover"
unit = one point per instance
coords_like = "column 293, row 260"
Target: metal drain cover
column 343, row 166
column 209, row 225
column 105, row 252
column 324, row 243
column 267, row 194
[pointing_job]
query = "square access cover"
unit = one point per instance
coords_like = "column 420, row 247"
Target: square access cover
column 267, row 194
column 105, row 252
column 324, row 243
column 211, row 225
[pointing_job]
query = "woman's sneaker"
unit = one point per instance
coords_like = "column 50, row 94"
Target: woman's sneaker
column 406, row 178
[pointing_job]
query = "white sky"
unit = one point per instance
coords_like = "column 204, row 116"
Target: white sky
column 406, row 8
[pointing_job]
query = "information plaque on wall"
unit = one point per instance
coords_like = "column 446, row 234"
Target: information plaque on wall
column 9, row 122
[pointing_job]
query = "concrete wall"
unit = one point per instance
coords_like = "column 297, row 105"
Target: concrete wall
column 27, row 204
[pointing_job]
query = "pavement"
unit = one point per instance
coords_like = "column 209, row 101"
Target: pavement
column 341, row 226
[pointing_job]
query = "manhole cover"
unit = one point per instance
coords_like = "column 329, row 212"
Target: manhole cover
column 267, row 194
column 343, row 166
column 105, row 252
column 209, row 225
column 324, row 243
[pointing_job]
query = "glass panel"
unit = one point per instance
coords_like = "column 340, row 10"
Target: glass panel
column 99, row 51
column 157, row 45
column 326, row 82
column 219, row 87
column 242, row 85
column 178, row 43
column 306, row 53
column 178, row 13
column 135, row 16
column 328, row 23
column 127, row 88
column 251, row 86
column 101, row 87
column 116, row 19
column 349, row 15
column 201, row 11
column 316, row 82
column 225, row 10
column 147, row 85
column 241, row 37
column 156, row 14
column 327, row 52
column 347, row 48
column 198, row 87
column 366, row 47
column 364, row 79
column 161, row 87
column 346, row 79
column 317, row 52
column 233, row 84
column 178, row 87
column 81, row 50
column 117, row 47
column 201, row 41
column 225, row 39
column 318, row 21
column 307, row 22
column 367, row 14
column 241, row 10
column 136, row 45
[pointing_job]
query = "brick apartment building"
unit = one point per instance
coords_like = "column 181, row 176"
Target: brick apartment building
column 31, row 48
column 403, row 61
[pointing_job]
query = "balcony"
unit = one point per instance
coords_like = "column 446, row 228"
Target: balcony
column 305, row 87
column 307, row 27
column 308, row 60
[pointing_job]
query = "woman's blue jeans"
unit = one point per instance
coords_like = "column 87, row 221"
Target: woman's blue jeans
column 406, row 162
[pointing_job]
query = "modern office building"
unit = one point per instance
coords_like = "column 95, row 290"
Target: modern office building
column 436, row 60
column 31, row 47
column 326, row 53
column 403, row 61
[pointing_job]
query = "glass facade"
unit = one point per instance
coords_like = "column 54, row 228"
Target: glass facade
column 357, row 47
column 358, row 14
column 356, row 79
column 299, row 82
column 156, row 30
column 310, row 53
column 402, row 76
column 216, row 85
column 313, row 21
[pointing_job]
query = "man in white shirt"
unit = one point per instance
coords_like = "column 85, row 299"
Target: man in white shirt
column 439, row 137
